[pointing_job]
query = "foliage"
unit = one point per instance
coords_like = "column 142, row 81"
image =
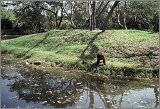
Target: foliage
column 140, row 14
column 7, row 14
column 65, row 25
column 155, row 22
column 32, row 16
column 6, row 24
column 7, row 18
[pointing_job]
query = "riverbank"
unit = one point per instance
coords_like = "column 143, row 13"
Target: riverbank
column 130, row 53
column 48, row 87
column 89, row 76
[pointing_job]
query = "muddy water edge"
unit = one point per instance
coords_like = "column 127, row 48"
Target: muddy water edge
column 24, row 86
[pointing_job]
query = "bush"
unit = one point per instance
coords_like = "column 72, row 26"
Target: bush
column 155, row 22
column 17, row 29
column 6, row 24
column 65, row 25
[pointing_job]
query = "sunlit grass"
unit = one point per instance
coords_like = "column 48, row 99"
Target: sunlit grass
column 66, row 46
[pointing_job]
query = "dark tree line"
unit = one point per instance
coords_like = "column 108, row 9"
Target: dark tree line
column 36, row 16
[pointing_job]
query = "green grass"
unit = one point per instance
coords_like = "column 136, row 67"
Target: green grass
column 65, row 47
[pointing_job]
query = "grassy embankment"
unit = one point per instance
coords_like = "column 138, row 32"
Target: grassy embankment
column 129, row 52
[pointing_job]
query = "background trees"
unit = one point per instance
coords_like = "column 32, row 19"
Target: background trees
column 135, row 15
column 30, row 16
column 7, row 17
column 36, row 16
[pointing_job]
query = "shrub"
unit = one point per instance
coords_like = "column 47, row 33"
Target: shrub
column 65, row 25
column 6, row 24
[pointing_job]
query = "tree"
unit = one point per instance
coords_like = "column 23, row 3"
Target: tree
column 155, row 22
column 119, row 14
column 95, row 12
column 92, row 15
column 69, row 12
column 98, row 14
column 29, row 16
column 124, row 13
column 34, row 15
column 7, row 17
column 139, row 14
column 76, row 13
column 54, row 7
column 109, row 15
column 101, row 12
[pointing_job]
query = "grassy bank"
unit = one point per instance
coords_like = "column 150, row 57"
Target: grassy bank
column 129, row 52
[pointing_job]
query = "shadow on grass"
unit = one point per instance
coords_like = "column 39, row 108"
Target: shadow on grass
column 93, row 48
column 93, row 67
column 59, row 33
column 24, row 53
column 48, row 34
column 90, row 44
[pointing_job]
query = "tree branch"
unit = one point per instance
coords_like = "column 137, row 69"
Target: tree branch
column 103, row 9
column 109, row 15
column 47, row 9
column 97, row 10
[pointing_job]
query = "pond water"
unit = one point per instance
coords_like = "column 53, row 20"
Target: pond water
column 26, row 87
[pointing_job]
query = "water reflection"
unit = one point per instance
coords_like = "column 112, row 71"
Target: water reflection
column 29, row 87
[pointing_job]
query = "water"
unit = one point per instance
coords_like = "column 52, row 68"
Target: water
column 25, row 87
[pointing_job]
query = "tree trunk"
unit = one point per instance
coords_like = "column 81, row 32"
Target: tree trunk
column 91, row 96
column 93, row 15
column 118, row 16
column 60, row 21
column 90, row 14
column 91, row 23
column 97, row 11
column 56, row 19
column 109, row 15
column 156, row 96
column 39, row 26
column 124, row 20
column 70, row 17
column 98, row 14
